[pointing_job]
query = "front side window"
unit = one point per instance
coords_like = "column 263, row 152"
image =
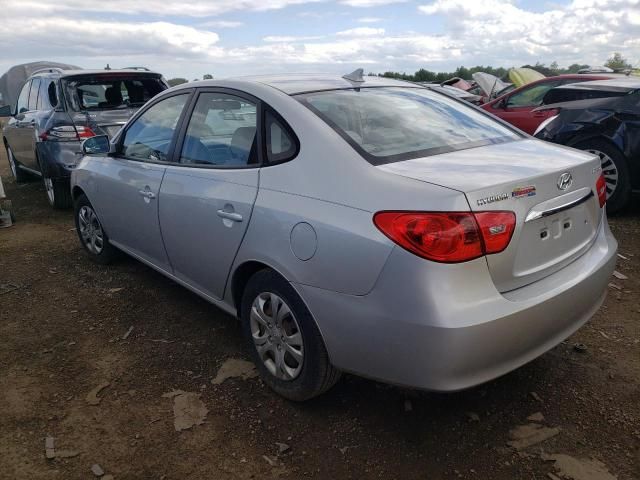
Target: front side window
column 399, row 123
column 221, row 132
column 33, row 94
column 23, row 99
column 530, row 97
column 149, row 136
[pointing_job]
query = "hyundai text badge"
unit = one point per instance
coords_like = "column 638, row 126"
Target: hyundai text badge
column 565, row 181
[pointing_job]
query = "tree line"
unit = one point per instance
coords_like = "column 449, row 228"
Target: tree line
column 615, row 62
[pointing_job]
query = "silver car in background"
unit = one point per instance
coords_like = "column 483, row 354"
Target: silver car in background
column 367, row 226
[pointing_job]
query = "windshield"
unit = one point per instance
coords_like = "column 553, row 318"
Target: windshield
column 95, row 93
column 393, row 124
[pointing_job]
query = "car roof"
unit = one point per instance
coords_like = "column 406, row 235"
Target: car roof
column 73, row 73
column 621, row 84
column 293, row 84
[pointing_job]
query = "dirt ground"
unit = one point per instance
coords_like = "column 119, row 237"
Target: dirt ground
column 63, row 332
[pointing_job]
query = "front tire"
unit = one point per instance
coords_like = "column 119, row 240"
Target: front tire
column 283, row 338
column 91, row 234
column 20, row 175
column 615, row 171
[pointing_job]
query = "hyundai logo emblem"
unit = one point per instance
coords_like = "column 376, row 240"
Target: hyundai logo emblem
column 565, row 181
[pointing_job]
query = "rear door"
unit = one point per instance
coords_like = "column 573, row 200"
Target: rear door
column 27, row 126
column 129, row 183
column 207, row 199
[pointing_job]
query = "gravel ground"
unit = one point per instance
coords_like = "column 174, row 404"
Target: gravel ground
column 91, row 358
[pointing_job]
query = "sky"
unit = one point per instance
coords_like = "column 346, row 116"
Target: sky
column 238, row 37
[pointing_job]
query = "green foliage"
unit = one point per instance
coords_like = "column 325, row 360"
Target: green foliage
column 423, row 75
column 207, row 76
column 617, row 62
column 176, row 81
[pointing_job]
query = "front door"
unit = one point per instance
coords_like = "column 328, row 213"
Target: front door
column 206, row 202
column 129, row 183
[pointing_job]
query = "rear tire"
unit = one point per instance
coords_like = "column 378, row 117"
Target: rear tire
column 615, row 171
column 20, row 175
column 58, row 192
column 91, row 234
column 304, row 375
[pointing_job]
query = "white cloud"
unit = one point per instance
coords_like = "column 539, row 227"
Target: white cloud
column 499, row 33
column 289, row 38
column 154, row 7
column 585, row 31
column 369, row 3
column 221, row 24
column 361, row 32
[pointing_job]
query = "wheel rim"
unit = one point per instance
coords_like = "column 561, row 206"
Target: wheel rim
column 12, row 163
column 48, row 186
column 609, row 171
column 90, row 230
column 277, row 336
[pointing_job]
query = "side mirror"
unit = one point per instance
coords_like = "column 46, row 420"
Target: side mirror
column 6, row 111
column 98, row 145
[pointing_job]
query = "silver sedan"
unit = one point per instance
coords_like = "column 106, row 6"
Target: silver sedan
column 355, row 224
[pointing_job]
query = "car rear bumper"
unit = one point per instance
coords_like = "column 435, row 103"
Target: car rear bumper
column 446, row 328
column 58, row 159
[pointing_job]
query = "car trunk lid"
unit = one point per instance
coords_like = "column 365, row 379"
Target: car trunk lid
column 556, row 218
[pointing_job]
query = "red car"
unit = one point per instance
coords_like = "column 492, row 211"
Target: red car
column 516, row 107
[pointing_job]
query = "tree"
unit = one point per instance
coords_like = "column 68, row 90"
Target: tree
column 177, row 81
column 617, row 62
column 207, row 76
column 576, row 67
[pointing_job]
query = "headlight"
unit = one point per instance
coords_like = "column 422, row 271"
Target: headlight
column 544, row 124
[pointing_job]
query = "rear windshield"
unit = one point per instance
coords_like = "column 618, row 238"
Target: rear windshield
column 558, row 95
column 393, row 124
column 109, row 92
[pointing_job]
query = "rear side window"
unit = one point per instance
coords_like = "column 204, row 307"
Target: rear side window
column 222, row 131
column 52, row 94
column 33, row 94
column 149, row 136
column 399, row 123
column 23, row 99
column 105, row 92
column 559, row 95
column 44, row 98
column 281, row 142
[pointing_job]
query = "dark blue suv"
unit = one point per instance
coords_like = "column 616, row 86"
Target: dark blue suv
column 57, row 109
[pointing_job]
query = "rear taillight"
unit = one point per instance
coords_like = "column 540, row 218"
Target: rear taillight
column 67, row 133
column 601, row 188
column 448, row 237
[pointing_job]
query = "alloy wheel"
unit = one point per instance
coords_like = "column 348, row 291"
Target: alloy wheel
column 277, row 336
column 90, row 230
column 609, row 171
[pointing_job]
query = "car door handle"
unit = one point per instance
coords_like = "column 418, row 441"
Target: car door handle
column 147, row 194
column 234, row 217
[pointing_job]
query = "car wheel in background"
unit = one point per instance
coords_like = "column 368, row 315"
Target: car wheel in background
column 615, row 171
column 58, row 191
column 284, row 340
column 91, row 234
column 16, row 171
